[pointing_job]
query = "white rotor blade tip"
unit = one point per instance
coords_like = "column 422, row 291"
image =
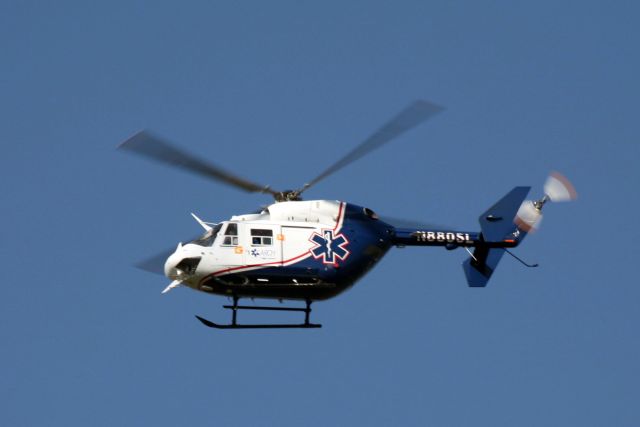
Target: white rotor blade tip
column 559, row 188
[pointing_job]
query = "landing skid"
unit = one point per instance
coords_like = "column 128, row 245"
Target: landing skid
column 234, row 314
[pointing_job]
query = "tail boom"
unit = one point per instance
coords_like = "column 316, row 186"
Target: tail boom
column 450, row 239
column 498, row 232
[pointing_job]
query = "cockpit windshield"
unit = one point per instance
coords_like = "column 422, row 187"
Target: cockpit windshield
column 208, row 237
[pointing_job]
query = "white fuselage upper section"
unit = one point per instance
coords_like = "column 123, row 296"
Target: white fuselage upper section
column 278, row 236
column 301, row 212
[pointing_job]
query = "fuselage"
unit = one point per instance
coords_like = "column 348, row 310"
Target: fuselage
column 308, row 250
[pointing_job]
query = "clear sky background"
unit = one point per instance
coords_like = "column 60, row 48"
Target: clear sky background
column 277, row 91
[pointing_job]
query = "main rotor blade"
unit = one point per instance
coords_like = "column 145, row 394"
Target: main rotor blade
column 145, row 144
column 414, row 114
column 155, row 263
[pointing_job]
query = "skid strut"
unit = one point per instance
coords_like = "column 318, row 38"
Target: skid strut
column 234, row 317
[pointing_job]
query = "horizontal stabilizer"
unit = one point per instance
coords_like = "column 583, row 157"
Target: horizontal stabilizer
column 497, row 222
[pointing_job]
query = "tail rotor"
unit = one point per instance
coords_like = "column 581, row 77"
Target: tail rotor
column 557, row 188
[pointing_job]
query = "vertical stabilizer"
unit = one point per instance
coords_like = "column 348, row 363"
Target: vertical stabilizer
column 498, row 226
column 497, row 222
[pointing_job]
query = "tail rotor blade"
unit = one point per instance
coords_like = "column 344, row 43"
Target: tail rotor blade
column 559, row 189
column 528, row 218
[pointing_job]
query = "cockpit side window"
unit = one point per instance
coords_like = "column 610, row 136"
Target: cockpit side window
column 260, row 237
column 231, row 235
column 208, row 237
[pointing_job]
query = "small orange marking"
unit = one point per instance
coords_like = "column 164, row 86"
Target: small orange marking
column 238, row 249
column 510, row 241
column 280, row 237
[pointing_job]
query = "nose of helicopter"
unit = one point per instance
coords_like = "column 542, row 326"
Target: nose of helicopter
column 170, row 265
column 183, row 263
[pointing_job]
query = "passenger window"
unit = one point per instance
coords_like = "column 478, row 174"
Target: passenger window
column 261, row 237
column 231, row 235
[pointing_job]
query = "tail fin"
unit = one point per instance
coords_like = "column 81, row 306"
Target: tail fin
column 497, row 222
column 498, row 226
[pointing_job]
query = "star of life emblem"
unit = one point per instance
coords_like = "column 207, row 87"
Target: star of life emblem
column 329, row 247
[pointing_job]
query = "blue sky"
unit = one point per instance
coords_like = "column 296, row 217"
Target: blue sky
column 277, row 91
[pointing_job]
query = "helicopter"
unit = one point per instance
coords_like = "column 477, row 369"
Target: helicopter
column 313, row 250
